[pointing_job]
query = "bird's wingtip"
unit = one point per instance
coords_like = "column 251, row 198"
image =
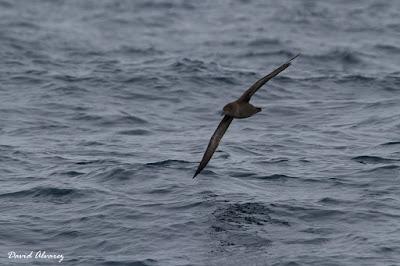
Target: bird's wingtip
column 195, row 174
column 294, row 57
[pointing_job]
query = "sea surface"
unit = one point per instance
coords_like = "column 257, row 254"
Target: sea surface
column 107, row 106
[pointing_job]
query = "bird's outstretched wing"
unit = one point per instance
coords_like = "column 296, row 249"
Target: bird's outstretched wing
column 214, row 141
column 246, row 96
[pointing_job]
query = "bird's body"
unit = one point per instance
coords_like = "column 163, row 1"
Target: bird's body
column 241, row 108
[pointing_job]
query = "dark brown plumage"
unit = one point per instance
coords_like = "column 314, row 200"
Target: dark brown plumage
column 241, row 108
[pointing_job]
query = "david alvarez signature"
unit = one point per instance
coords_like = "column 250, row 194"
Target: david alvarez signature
column 39, row 255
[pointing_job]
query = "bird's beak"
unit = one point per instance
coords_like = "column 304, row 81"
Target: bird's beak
column 222, row 113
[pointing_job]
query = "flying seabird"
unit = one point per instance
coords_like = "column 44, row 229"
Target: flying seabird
column 241, row 108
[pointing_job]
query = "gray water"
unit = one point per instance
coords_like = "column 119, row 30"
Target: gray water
column 106, row 108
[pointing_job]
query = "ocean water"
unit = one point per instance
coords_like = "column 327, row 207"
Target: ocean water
column 107, row 106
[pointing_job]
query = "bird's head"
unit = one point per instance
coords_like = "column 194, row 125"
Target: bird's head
column 228, row 109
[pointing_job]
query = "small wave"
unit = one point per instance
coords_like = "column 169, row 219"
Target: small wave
column 311, row 241
column 87, row 117
column 242, row 174
column 262, row 42
column 65, row 106
column 28, row 131
column 273, row 161
column 216, row 79
column 155, row 5
column 22, row 24
column 110, row 120
column 162, row 191
column 392, row 49
column 89, row 162
column 333, row 201
column 355, row 78
column 146, row 262
column 5, row 4
column 192, row 66
column 318, row 231
column 376, row 120
column 245, row 150
column 287, row 110
column 142, row 79
column 386, row 249
column 27, row 79
column 70, row 90
column 263, row 53
column 135, row 132
column 391, row 143
column 387, row 104
column 53, row 194
column 70, row 173
column 130, row 50
column 383, row 168
column 320, row 214
column 308, row 213
column 69, row 78
column 81, row 53
column 116, row 173
column 91, row 143
column 276, row 177
column 186, row 205
column 130, row 95
column 168, row 163
column 73, row 234
column 372, row 160
column 343, row 56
